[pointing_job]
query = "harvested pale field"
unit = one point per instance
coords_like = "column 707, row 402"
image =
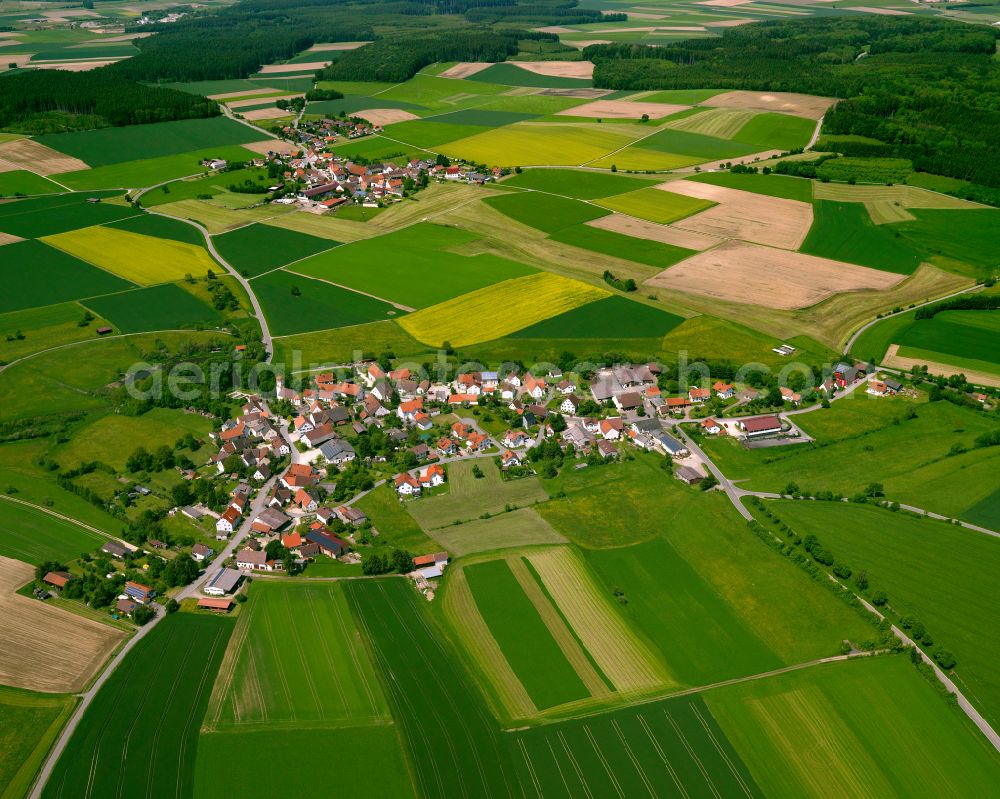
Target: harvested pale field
column 644, row 15
column 237, row 104
column 124, row 37
column 773, row 221
column 723, row 3
column 474, row 317
column 653, row 28
column 385, row 116
column 308, row 66
column 731, row 23
column 556, row 29
column 264, row 113
column 558, row 69
column 44, row 648
column 18, row 59
column 69, row 12
column 272, row 145
column 883, row 212
column 723, row 123
column 460, row 606
column 244, row 93
column 906, row 196
column 665, row 234
column 894, row 360
column 7, row 238
column 29, row 154
column 581, row 93
column 581, row 43
column 748, row 273
column 329, row 47
column 622, row 109
column 625, row 660
column 803, row 105
column 75, row 66
column 465, row 68
column 218, row 219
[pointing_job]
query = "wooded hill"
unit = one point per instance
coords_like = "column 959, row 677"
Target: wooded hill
column 927, row 90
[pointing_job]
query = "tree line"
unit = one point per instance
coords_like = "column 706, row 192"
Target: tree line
column 927, row 90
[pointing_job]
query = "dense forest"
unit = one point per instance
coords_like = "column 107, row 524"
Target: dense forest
column 916, row 88
column 50, row 101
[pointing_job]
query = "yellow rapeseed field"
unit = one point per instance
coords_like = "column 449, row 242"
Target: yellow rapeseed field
column 498, row 310
column 145, row 260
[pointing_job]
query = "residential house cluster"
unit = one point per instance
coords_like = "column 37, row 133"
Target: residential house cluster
column 254, row 438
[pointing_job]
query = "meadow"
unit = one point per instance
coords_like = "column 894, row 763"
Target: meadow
column 346, row 343
column 46, row 216
column 548, row 212
column 986, row 512
column 164, row 307
column 161, row 689
column 430, row 250
column 671, row 748
column 618, row 245
column 105, row 146
column 894, row 735
column 578, row 184
column 961, row 238
column 256, row 249
column 299, row 760
column 295, row 660
column 517, row 528
column 471, row 318
column 655, row 205
column 637, row 501
column 468, row 496
column 317, row 306
column 21, row 181
column 42, row 328
column 526, row 641
column 213, row 183
column 845, row 232
column 64, row 277
column 160, row 227
column 966, row 334
column 395, row 526
column 34, row 536
column 142, row 259
column 776, row 131
column 29, row 724
column 454, row 746
column 935, row 572
column 611, row 317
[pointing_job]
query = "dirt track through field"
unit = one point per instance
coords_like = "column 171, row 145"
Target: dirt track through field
column 772, row 278
column 45, row 648
column 42, row 160
column 773, row 221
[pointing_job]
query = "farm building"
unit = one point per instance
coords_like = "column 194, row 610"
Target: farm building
column 139, row 592
column 330, row 545
column 431, row 566
column 224, row 581
column 57, row 579
column 269, row 520
column 760, row 426
column 115, row 549
column 688, row 475
column 215, row 604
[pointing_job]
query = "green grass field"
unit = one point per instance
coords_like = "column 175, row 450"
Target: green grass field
column 656, row 205
column 430, row 132
column 21, row 181
column 54, row 277
column 140, row 734
column 255, row 249
column 319, row 305
column 532, row 144
column 346, row 343
column 669, row 149
column 455, row 748
column 299, row 760
column 117, row 145
column 546, row 212
column 579, row 184
column 214, row 183
column 395, row 525
column 783, row 186
column 35, row 536
column 468, row 496
column 776, row 131
column 611, row 317
column 968, row 237
column 636, row 502
column 431, row 250
column 518, row 528
column 522, row 636
column 619, row 245
column 295, row 661
column 165, row 307
column 668, row 748
column 870, row 727
column 966, row 334
column 160, row 227
column 45, row 216
column 151, row 171
column 986, row 512
column 935, row 572
column 42, row 328
column 29, row 724
column 845, row 232
column 352, row 103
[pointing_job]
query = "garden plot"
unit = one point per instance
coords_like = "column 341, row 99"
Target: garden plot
column 773, row 221
column 44, row 648
column 805, row 105
column 622, row 109
column 748, row 273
